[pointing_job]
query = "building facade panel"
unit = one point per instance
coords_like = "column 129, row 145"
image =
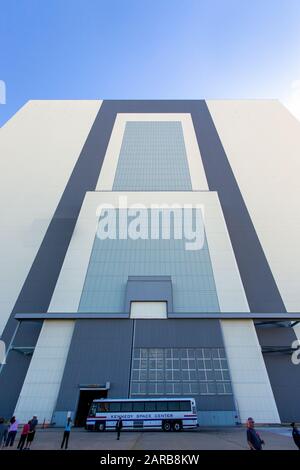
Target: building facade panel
column 123, row 118
column 41, row 146
column 262, row 143
column 41, row 385
column 100, row 352
column 252, row 390
column 187, row 151
column 37, row 290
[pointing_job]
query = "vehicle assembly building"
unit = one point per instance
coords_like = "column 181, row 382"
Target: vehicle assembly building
column 96, row 300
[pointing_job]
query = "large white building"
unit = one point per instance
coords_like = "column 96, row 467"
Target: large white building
column 85, row 317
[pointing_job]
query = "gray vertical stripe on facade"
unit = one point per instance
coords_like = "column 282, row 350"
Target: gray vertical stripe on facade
column 39, row 285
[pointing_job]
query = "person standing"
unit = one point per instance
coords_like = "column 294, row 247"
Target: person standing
column 32, row 427
column 296, row 435
column 24, row 435
column 119, row 426
column 66, row 436
column 253, row 438
column 3, row 427
column 12, row 432
column 5, row 433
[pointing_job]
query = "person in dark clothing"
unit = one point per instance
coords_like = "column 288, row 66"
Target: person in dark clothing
column 32, row 427
column 253, row 438
column 2, row 429
column 5, row 433
column 296, row 435
column 66, row 436
column 119, row 425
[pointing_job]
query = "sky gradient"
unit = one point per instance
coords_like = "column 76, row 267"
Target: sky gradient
column 97, row 49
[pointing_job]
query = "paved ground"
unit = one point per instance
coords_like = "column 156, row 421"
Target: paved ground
column 201, row 439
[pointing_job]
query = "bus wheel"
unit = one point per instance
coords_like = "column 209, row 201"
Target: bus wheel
column 166, row 426
column 100, row 427
column 177, row 426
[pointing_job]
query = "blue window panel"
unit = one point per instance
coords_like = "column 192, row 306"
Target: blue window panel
column 112, row 261
column 153, row 158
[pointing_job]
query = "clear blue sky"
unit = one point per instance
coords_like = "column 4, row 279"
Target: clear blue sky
column 72, row 49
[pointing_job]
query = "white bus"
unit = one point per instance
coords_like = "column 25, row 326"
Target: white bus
column 154, row 413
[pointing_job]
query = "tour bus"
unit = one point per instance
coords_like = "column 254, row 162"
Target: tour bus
column 154, row 413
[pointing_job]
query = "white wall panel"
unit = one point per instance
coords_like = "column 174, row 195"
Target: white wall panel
column 39, row 147
column 251, row 386
column 42, row 383
column 148, row 310
column 68, row 289
column 229, row 286
column 262, row 142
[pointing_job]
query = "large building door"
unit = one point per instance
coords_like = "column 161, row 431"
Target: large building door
column 86, row 398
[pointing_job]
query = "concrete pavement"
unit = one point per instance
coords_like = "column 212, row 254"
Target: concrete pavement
column 202, row 439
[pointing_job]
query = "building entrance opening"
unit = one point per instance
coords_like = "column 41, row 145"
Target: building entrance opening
column 85, row 400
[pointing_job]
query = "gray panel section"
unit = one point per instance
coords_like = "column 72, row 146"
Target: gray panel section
column 100, row 352
column 39, row 285
column 178, row 334
column 149, row 288
column 217, row 418
column 284, row 375
column 182, row 334
column 152, row 158
column 113, row 260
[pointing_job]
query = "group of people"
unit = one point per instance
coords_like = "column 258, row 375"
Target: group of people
column 8, row 432
column 256, row 443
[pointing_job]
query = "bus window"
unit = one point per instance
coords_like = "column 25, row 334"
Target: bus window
column 103, row 407
column 126, row 406
column 93, row 410
column 185, row 406
column 138, row 406
column 150, row 406
column 173, row 405
column 161, row 406
column 114, row 406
